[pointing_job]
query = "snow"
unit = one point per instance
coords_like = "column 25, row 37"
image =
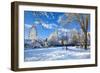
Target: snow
column 55, row 53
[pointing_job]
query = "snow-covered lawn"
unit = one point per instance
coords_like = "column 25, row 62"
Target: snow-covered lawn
column 55, row 53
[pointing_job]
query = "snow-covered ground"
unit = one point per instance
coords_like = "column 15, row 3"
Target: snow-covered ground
column 55, row 53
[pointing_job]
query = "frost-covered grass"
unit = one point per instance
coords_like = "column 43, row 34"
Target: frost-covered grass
column 56, row 53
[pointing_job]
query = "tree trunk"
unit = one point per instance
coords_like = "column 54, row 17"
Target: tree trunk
column 85, row 40
column 62, row 42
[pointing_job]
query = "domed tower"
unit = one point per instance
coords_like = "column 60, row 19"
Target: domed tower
column 33, row 34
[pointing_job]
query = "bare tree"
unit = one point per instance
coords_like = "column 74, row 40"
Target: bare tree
column 82, row 19
column 74, row 36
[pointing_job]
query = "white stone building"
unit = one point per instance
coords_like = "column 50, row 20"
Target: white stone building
column 33, row 34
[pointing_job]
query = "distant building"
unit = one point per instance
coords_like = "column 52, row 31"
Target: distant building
column 33, row 34
column 53, row 36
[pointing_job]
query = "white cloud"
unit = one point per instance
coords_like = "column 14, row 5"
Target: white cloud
column 36, row 22
column 47, row 26
column 63, row 30
column 54, row 25
column 59, row 19
column 28, row 25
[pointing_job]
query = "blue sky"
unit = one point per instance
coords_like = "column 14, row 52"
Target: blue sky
column 46, row 23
